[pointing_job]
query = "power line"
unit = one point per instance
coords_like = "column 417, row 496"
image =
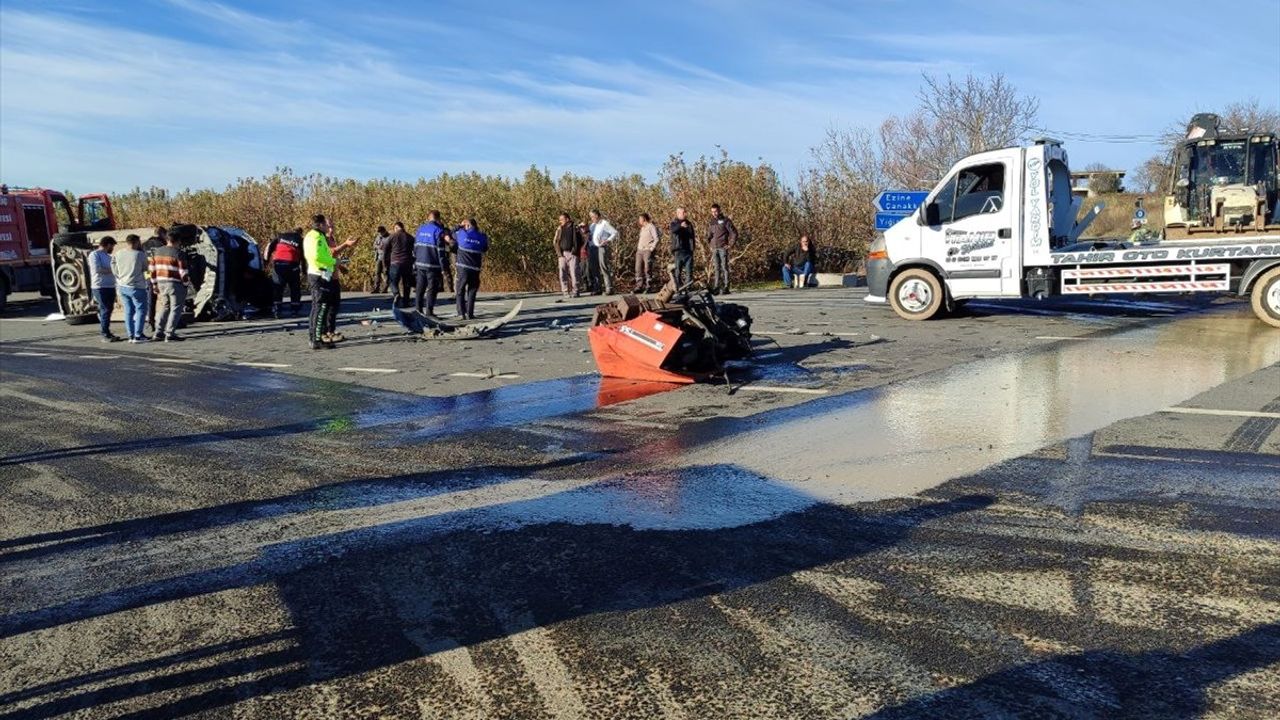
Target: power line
column 1086, row 137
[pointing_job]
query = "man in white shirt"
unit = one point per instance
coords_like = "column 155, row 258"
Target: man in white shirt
column 600, row 261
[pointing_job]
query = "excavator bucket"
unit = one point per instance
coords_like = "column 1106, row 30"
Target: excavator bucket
column 636, row 349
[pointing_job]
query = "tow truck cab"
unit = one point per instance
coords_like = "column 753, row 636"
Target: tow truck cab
column 993, row 214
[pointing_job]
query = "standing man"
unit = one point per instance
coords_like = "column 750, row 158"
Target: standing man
column 584, row 256
column 566, row 244
column 321, row 277
column 472, row 245
column 682, row 240
column 603, row 233
column 102, row 282
column 721, row 235
column 379, row 261
column 168, row 268
column 153, row 243
column 284, row 257
column 648, row 242
column 399, row 258
column 427, row 241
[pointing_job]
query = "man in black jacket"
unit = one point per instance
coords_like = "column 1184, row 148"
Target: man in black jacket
column 567, row 242
column 399, row 260
column 682, row 240
column 721, row 235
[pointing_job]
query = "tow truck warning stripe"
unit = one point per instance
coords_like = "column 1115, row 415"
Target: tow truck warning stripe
column 1143, row 287
column 1218, row 269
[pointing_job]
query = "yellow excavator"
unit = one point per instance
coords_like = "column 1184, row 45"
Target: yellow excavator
column 1223, row 182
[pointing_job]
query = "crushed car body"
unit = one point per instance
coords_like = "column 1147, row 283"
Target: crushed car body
column 676, row 337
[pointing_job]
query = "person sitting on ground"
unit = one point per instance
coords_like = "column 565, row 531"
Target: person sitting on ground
column 800, row 264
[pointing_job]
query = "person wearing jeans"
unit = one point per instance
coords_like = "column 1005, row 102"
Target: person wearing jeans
column 129, row 265
column 682, row 240
column 800, row 264
column 721, row 235
column 102, row 283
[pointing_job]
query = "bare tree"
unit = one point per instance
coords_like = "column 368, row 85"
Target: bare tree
column 954, row 119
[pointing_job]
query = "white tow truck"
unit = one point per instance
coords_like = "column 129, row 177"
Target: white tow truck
column 1003, row 224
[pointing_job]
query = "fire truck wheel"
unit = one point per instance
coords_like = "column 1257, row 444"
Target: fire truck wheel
column 1266, row 297
column 916, row 294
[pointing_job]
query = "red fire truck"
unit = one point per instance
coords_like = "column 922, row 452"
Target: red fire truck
column 29, row 218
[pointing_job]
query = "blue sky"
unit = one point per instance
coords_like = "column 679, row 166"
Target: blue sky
column 178, row 93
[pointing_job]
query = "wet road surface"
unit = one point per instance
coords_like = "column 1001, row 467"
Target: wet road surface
column 1087, row 529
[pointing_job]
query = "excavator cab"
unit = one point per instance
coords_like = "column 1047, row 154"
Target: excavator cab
column 1223, row 182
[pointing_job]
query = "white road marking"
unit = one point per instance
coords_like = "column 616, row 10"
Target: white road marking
column 385, row 371
column 1057, row 337
column 1225, row 413
column 97, row 357
column 470, row 375
column 24, row 353
column 263, row 364
column 39, row 320
column 536, row 652
column 766, row 356
column 172, row 361
column 771, row 388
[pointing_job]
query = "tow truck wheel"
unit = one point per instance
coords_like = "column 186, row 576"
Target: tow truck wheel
column 1266, row 297
column 916, row 294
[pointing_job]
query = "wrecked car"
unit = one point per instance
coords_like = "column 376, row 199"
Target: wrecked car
column 678, row 336
column 227, row 275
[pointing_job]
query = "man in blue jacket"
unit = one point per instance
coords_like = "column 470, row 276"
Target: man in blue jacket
column 426, row 261
column 472, row 245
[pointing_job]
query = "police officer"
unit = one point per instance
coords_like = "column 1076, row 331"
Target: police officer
column 426, row 261
column 284, row 257
column 472, row 245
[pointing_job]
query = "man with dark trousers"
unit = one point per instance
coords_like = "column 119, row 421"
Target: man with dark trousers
column 321, row 276
column 683, row 236
column 284, row 257
column 472, row 245
column 721, row 235
column 399, row 259
column 426, row 261
column 157, row 240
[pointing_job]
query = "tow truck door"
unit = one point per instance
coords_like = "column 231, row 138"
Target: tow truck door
column 969, row 225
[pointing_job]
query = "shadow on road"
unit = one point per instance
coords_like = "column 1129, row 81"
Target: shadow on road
column 375, row 597
column 1157, row 684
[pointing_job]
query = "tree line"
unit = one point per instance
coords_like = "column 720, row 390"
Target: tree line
column 830, row 200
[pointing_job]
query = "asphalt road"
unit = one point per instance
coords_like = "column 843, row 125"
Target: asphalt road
column 1028, row 511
